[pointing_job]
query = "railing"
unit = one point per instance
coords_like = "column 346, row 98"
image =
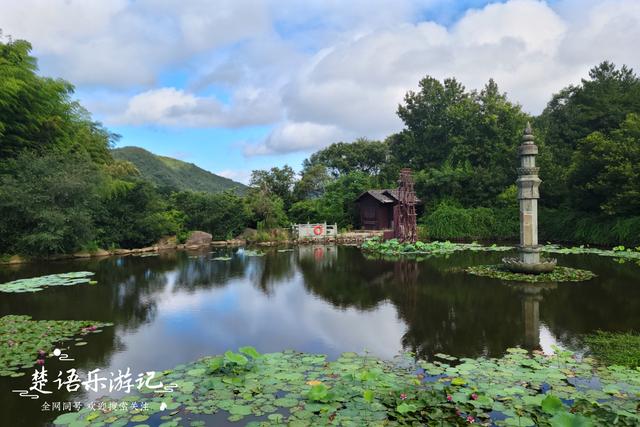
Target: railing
column 315, row 231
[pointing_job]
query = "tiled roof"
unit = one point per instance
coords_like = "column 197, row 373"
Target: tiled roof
column 384, row 196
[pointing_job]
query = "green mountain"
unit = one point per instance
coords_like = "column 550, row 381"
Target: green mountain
column 173, row 173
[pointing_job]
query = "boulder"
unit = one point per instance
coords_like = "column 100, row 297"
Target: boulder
column 100, row 253
column 199, row 238
column 82, row 254
column 16, row 259
column 121, row 251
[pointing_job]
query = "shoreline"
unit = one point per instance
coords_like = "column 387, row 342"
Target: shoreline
column 345, row 239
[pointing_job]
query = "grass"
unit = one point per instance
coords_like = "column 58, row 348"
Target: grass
column 615, row 348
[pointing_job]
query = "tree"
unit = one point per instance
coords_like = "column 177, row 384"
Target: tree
column 267, row 210
column 38, row 115
column 312, row 182
column 342, row 158
column 224, row 215
column 276, row 181
column 605, row 172
column 600, row 103
column 136, row 216
column 47, row 204
column 463, row 145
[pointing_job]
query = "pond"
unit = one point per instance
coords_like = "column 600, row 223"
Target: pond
column 179, row 306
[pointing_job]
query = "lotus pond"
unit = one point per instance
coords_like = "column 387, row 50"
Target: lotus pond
column 173, row 312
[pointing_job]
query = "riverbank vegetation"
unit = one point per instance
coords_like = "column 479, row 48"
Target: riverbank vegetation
column 299, row 389
column 62, row 190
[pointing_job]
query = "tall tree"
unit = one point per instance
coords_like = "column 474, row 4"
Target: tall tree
column 276, row 182
column 462, row 144
column 37, row 113
column 361, row 155
column 605, row 173
column 599, row 103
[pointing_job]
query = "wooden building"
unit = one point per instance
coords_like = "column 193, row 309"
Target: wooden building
column 376, row 209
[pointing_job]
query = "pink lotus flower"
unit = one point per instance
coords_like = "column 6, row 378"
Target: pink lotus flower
column 40, row 362
column 474, row 396
column 403, row 396
column 470, row 419
column 449, row 397
column 41, row 353
column 92, row 328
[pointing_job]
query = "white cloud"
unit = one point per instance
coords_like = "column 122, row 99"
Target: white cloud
column 317, row 71
column 177, row 108
column 238, row 175
column 124, row 43
column 299, row 136
column 529, row 48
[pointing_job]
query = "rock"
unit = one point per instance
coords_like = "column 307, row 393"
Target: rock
column 16, row 259
column 122, row 251
column 82, row 254
column 149, row 249
column 100, row 253
column 219, row 243
column 199, row 238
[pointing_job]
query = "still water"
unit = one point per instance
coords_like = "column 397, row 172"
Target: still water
column 179, row 306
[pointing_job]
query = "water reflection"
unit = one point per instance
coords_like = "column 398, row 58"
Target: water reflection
column 531, row 294
column 178, row 306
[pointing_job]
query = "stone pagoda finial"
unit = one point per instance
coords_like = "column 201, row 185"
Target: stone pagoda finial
column 527, row 138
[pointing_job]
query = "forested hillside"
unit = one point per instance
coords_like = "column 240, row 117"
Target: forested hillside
column 166, row 172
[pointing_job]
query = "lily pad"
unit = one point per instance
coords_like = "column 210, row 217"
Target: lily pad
column 21, row 338
column 294, row 388
column 36, row 284
column 559, row 274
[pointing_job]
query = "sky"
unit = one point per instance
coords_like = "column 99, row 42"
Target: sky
column 237, row 85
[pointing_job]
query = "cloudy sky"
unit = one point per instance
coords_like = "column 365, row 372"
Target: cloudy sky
column 236, row 85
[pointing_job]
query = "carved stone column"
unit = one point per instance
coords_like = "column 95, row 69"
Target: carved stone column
column 528, row 194
column 528, row 182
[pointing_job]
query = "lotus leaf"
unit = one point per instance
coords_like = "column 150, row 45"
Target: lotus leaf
column 559, row 274
column 300, row 389
column 36, row 284
column 22, row 338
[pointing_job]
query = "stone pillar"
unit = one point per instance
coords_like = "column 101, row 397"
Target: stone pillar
column 528, row 195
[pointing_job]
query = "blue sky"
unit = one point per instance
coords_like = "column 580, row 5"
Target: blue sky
column 237, row 85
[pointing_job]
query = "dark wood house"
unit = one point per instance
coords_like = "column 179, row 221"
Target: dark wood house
column 376, row 209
